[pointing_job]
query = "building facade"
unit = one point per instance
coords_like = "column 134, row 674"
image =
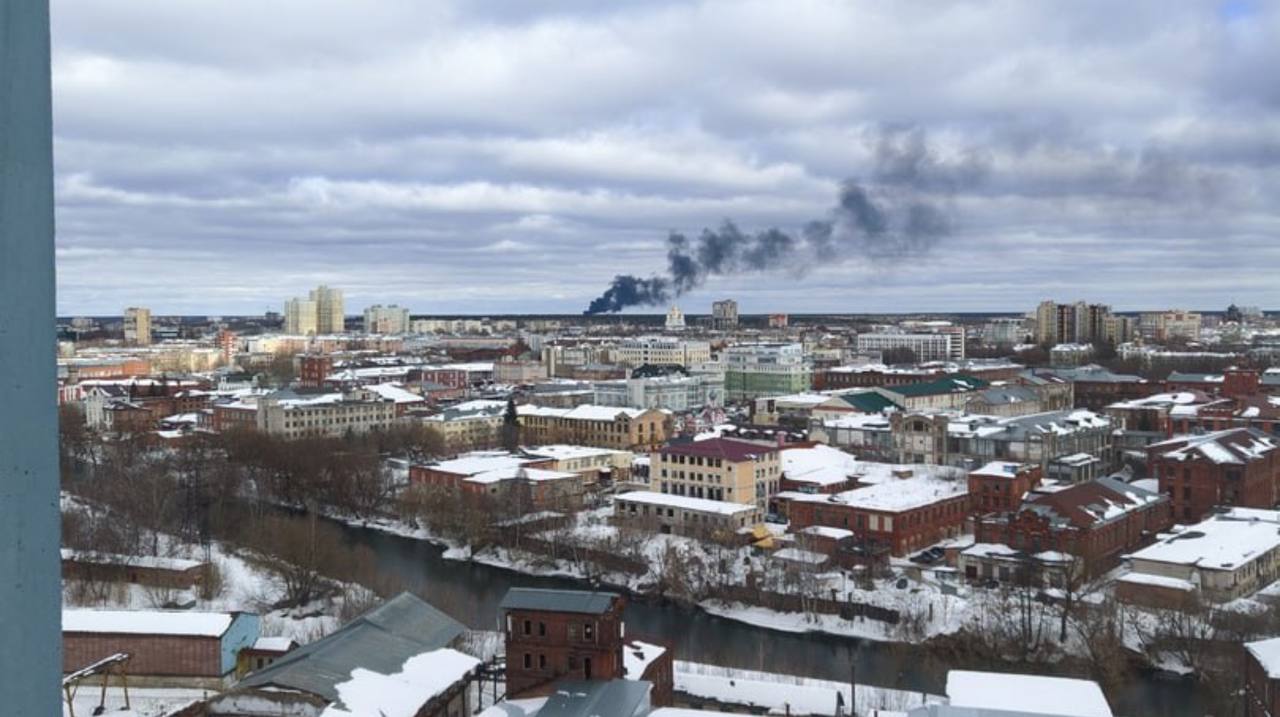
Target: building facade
column 721, row 469
column 379, row 319
column 137, row 326
column 1235, row 467
column 662, row 351
column 755, row 370
column 331, row 315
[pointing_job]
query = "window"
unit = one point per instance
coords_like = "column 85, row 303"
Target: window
column 542, row 662
column 588, row 630
column 528, row 661
column 542, row 628
column 528, row 627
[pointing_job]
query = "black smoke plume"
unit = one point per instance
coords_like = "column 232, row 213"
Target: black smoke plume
column 903, row 211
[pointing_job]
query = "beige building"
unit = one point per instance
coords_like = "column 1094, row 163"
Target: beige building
column 331, row 316
column 622, row 429
column 468, row 426
column 379, row 319
column 593, row 464
column 681, row 515
column 718, row 469
column 300, row 317
column 1172, row 324
column 332, row 414
column 662, row 351
column 137, row 326
column 1228, row 556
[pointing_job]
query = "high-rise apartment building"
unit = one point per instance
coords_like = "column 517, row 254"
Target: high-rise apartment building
column 300, row 317
column 1078, row 323
column 724, row 314
column 379, row 319
column 137, row 326
column 1171, row 324
column 331, row 317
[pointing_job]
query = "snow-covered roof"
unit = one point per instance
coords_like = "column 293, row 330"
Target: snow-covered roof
column 1267, row 653
column 820, row 465
column 133, row 561
column 1004, row 469
column 403, row 694
column 147, row 622
column 274, row 644
column 395, row 392
column 701, row 505
column 796, row 555
column 1158, row 581
column 564, row 452
column 637, row 656
column 470, row 464
column 824, row 531
column 519, row 473
column 580, row 413
column 896, row 496
column 1222, row 542
column 1231, row 446
column 1034, row 694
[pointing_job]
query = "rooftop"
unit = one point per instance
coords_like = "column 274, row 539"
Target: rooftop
column 701, row 505
column 587, row 602
column 894, row 496
column 381, row 641
column 1222, row 542
column 1232, row 446
column 1033, row 694
column 147, row 622
column 726, row 448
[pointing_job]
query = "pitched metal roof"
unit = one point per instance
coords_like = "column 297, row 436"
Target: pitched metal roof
column 615, row 698
column 947, row 384
column 380, row 640
column 726, row 448
column 581, row 601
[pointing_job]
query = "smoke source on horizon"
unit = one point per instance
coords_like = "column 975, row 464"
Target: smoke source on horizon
column 902, row 212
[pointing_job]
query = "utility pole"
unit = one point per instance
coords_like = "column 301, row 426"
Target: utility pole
column 30, row 593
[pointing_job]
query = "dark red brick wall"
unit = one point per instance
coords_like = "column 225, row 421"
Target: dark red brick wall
column 161, row 655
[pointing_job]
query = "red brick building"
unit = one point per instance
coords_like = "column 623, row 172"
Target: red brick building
column 1097, row 521
column 999, row 486
column 568, row 635
column 196, row 648
column 313, row 369
column 1262, row 678
column 903, row 514
column 1235, row 467
column 560, row 634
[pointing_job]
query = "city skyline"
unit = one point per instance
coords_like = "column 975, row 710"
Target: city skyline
column 459, row 158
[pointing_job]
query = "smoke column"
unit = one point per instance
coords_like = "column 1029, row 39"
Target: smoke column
column 902, row 212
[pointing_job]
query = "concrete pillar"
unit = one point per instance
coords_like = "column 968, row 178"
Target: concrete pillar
column 30, row 585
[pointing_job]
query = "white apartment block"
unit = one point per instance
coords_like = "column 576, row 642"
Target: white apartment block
column 945, row 345
column 673, row 393
column 300, row 317
column 379, row 319
column 662, row 351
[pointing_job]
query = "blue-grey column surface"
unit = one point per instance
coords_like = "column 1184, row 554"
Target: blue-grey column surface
column 30, row 592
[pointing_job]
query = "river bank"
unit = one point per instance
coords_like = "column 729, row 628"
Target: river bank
column 471, row 586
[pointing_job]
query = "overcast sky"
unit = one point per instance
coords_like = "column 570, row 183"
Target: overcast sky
column 481, row 156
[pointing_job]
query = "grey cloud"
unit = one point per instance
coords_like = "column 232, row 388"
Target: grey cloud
column 401, row 148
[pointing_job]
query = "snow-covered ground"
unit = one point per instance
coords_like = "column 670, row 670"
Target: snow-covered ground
column 246, row 584
column 143, row 702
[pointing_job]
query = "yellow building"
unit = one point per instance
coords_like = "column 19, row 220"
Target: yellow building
column 623, row 429
column 723, row 469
